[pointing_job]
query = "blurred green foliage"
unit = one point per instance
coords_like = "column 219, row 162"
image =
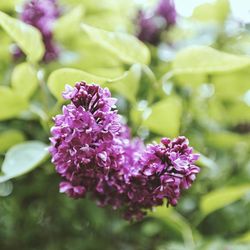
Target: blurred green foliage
column 196, row 83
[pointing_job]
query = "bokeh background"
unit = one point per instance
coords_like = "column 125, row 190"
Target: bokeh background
column 183, row 72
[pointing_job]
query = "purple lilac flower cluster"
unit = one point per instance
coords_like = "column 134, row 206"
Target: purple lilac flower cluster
column 151, row 25
column 42, row 14
column 94, row 153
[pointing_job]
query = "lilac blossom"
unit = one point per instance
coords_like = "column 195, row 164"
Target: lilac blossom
column 149, row 31
column 151, row 25
column 41, row 14
column 85, row 143
column 166, row 9
column 94, row 153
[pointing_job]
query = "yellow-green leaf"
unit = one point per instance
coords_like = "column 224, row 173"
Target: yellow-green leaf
column 165, row 117
column 226, row 140
column 175, row 221
column 24, row 80
column 232, row 114
column 59, row 78
column 10, row 137
column 214, row 12
column 129, row 84
column 125, row 46
column 11, row 104
column 222, row 197
column 9, row 5
column 68, row 24
column 206, row 60
column 27, row 37
column 231, row 85
column 109, row 22
column 245, row 238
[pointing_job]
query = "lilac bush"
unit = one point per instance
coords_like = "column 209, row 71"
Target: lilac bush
column 176, row 83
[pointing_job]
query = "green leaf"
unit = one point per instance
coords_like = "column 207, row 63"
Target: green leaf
column 113, row 72
column 215, row 12
column 24, row 80
column 5, row 188
column 109, row 22
column 22, row 158
column 238, row 44
column 244, row 238
column 236, row 111
column 8, row 5
column 226, row 140
column 11, row 104
column 222, row 197
column 126, row 47
column 231, row 85
column 204, row 161
column 69, row 24
column 9, row 138
column 175, row 221
column 59, row 78
column 193, row 80
column 128, row 86
column 89, row 56
column 206, row 60
column 165, row 117
column 26, row 36
column 4, row 48
column 105, row 6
